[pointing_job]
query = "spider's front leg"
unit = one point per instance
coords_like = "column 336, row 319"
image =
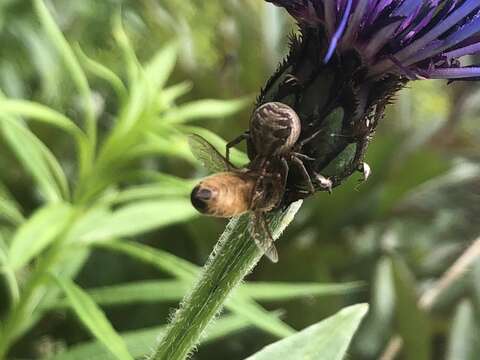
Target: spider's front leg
column 233, row 143
column 295, row 158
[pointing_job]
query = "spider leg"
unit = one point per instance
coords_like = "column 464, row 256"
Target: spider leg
column 232, row 143
column 262, row 235
column 304, row 172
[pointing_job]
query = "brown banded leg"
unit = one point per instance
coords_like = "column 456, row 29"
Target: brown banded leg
column 267, row 246
column 285, row 174
column 304, row 172
column 233, row 143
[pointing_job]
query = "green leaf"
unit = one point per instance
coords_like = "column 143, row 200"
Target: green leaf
column 9, row 289
column 326, row 340
column 173, row 290
column 416, row 343
column 129, row 57
column 140, row 217
column 39, row 113
column 41, row 229
column 169, row 95
column 273, row 291
column 205, row 109
column 241, row 304
column 166, row 185
column 463, row 339
column 161, row 65
column 31, row 155
column 186, row 271
column 9, row 209
column 102, row 72
column 71, row 63
column 136, row 292
column 94, row 319
column 139, row 342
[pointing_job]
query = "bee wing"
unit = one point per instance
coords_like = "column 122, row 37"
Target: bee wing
column 260, row 232
column 204, row 152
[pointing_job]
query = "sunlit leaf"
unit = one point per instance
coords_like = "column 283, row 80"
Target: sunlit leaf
column 140, row 217
column 38, row 232
column 9, row 208
column 26, row 147
column 160, row 67
column 463, row 341
column 326, row 340
column 139, row 342
column 416, row 343
column 94, row 319
column 205, row 109
column 184, row 270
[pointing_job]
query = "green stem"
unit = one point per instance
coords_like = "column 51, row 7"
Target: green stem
column 232, row 259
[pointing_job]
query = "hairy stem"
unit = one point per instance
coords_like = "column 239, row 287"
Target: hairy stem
column 231, row 260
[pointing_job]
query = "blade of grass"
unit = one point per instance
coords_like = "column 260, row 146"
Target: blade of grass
column 94, row 319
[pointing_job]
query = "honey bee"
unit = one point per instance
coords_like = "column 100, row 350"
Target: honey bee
column 258, row 187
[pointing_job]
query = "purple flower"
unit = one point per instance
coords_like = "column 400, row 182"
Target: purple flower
column 411, row 39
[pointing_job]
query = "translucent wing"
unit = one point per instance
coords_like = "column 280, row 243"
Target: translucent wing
column 204, row 152
column 263, row 238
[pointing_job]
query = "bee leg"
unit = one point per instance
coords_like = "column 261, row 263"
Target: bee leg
column 263, row 237
column 304, row 172
column 232, row 143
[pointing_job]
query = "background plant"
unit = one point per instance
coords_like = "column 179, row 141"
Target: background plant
column 398, row 232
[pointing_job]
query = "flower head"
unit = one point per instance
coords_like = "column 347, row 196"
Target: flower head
column 410, row 38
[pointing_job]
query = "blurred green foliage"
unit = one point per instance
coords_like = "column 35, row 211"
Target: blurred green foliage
column 397, row 233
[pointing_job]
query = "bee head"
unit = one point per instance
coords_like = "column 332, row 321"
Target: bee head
column 202, row 196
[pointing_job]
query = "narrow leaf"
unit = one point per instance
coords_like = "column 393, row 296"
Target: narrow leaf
column 78, row 76
column 10, row 210
column 184, row 270
column 273, row 291
column 205, row 109
column 160, row 67
column 94, row 319
column 39, row 113
column 38, row 232
column 140, row 217
column 416, row 343
column 463, row 340
column 327, row 340
column 139, row 342
column 26, row 147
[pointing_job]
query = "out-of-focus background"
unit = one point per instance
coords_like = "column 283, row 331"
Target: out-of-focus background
column 397, row 233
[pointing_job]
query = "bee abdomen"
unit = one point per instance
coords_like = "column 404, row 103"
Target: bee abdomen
column 223, row 195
